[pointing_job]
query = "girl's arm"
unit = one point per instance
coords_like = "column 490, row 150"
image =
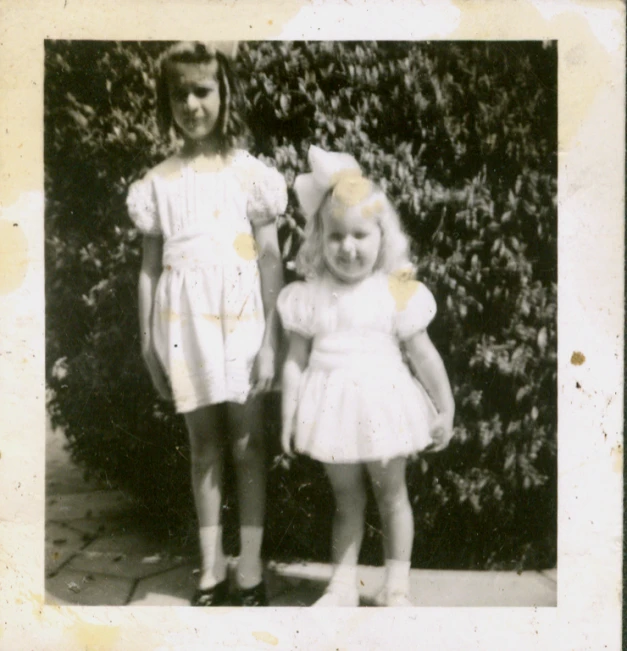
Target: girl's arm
column 429, row 369
column 271, row 275
column 295, row 363
column 151, row 269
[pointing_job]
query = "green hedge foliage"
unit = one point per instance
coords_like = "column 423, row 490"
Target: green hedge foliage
column 462, row 136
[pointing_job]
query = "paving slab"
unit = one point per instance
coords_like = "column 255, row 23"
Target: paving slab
column 302, row 595
column 173, row 587
column 87, row 589
column 95, row 505
column 448, row 588
column 134, row 555
column 61, row 544
column 305, row 582
column 92, row 528
column 441, row 588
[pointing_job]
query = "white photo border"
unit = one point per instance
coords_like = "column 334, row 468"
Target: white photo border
column 591, row 52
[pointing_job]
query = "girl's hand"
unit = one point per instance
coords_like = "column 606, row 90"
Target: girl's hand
column 441, row 432
column 263, row 370
column 157, row 374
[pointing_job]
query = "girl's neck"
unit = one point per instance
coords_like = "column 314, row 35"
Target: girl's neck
column 196, row 148
column 338, row 282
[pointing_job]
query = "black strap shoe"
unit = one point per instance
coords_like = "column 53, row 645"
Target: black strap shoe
column 250, row 597
column 218, row 595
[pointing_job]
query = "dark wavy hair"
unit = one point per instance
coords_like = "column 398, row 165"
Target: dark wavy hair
column 230, row 125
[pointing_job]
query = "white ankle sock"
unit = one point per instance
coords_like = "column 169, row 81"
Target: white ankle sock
column 397, row 576
column 342, row 589
column 213, row 562
column 344, row 576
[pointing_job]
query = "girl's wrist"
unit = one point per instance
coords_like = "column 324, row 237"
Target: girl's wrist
column 270, row 339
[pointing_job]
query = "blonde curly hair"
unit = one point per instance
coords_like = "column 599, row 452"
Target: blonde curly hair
column 394, row 252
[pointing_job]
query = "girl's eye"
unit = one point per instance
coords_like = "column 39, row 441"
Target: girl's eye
column 360, row 236
column 335, row 237
column 201, row 93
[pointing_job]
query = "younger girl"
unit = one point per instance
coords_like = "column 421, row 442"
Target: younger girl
column 210, row 275
column 349, row 399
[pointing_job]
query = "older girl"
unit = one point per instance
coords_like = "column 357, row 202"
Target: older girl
column 210, row 275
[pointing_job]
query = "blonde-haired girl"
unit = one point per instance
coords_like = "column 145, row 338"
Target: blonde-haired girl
column 356, row 327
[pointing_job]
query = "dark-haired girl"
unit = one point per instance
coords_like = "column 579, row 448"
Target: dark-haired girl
column 210, row 275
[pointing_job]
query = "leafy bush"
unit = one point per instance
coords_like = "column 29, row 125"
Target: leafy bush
column 463, row 139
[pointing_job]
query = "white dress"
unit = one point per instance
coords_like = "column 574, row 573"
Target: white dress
column 208, row 318
column 358, row 400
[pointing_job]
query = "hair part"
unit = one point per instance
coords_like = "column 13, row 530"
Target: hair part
column 230, row 127
column 394, row 248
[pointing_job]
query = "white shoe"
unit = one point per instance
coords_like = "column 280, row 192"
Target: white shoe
column 392, row 600
column 398, row 600
column 335, row 596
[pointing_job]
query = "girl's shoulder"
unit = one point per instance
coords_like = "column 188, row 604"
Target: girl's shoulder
column 299, row 290
column 166, row 167
column 140, row 200
column 163, row 170
column 414, row 304
column 243, row 160
column 296, row 306
column 264, row 185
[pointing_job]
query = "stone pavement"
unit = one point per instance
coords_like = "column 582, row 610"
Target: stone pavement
column 99, row 551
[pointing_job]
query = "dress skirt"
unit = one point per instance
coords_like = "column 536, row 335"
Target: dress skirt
column 208, row 322
column 359, row 402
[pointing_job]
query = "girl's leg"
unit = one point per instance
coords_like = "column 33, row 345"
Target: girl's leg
column 248, row 452
column 206, row 446
column 347, row 482
column 390, row 489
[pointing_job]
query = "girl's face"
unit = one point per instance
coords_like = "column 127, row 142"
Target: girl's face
column 350, row 242
column 194, row 98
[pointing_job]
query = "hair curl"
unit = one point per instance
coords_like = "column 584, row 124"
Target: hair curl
column 394, row 253
column 230, row 126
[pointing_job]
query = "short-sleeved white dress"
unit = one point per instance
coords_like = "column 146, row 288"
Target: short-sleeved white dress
column 358, row 400
column 208, row 318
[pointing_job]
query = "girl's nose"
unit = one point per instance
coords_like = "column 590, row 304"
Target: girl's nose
column 348, row 246
column 192, row 102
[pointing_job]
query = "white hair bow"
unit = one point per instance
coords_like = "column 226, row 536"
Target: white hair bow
column 228, row 48
column 327, row 169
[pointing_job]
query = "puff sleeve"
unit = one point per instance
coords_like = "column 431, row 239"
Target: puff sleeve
column 142, row 208
column 296, row 308
column 415, row 307
column 267, row 192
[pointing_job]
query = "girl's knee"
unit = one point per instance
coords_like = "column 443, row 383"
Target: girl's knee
column 246, row 449
column 350, row 500
column 393, row 499
column 351, row 506
column 205, row 455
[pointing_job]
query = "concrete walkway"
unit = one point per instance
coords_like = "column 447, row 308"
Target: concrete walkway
column 98, row 552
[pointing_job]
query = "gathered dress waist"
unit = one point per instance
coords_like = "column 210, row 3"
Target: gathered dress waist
column 363, row 351
column 198, row 250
